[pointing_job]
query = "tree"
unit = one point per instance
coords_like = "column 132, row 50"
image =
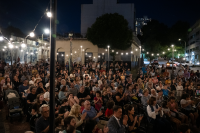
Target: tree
column 110, row 29
column 10, row 30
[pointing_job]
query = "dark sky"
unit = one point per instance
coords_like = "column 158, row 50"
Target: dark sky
column 25, row 14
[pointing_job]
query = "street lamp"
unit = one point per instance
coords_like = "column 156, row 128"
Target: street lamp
column 32, row 34
column 49, row 14
column 168, row 49
column 1, row 38
column 108, row 57
column 147, row 52
column 46, row 31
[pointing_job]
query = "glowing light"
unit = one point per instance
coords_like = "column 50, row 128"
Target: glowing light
column 81, row 46
column 21, row 50
column 62, row 54
column 94, row 57
column 67, row 55
column 102, row 53
column 1, row 38
column 105, row 49
column 16, row 46
column 108, row 46
column 31, row 34
column 142, row 49
column 121, row 53
column 172, row 45
column 131, row 52
column 26, row 52
column 75, row 52
column 99, row 56
column 168, row 49
column 57, row 53
column 5, row 47
column 135, row 49
column 11, row 46
column 113, row 51
column 147, row 52
column 49, row 14
column 116, row 52
column 126, row 53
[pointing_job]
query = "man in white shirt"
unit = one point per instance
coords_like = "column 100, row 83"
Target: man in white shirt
column 47, row 94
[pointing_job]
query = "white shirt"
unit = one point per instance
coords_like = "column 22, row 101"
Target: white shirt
column 46, row 95
column 153, row 114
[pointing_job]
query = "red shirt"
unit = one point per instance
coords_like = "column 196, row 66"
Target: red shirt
column 108, row 112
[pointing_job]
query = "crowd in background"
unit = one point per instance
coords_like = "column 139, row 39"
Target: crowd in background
column 97, row 98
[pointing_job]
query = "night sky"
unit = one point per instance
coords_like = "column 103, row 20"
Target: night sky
column 24, row 14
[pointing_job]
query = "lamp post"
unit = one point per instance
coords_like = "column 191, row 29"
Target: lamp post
column 172, row 61
column 46, row 31
column 70, row 36
column 108, row 57
column 185, row 45
column 53, row 4
column 81, row 54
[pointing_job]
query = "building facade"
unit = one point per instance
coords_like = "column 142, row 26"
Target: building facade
column 193, row 46
column 34, row 50
column 89, row 12
column 84, row 51
column 139, row 23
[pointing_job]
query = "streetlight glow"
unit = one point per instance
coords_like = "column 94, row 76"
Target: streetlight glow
column 121, row 53
column 23, row 45
column 11, row 46
column 116, row 52
column 31, row 34
column 67, row 55
column 49, row 14
column 5, row 47
column 168, row 49
column 126, row 53
column 46, row 31
column 179, row 39
column 105, row 49
column 21, row 50
column 113, row 51
column 147, row 52
column 172, row 45
column 102, row 53
column 1, row 38
column 135, row 49
column 108, row 46
column 99, row 56
column 81, row 46
column 131, row 52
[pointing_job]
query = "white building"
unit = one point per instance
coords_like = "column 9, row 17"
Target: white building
column 193, row 46
column 89, row 12
column 34, row 50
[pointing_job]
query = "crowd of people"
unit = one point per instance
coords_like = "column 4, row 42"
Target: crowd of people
column 97, row 98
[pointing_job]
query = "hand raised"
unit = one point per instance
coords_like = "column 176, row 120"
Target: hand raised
column 83, row 116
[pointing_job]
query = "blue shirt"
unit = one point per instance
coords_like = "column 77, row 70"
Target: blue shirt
column 144, row 70
column 165, row 92
column 91, row 113
column 22, row 88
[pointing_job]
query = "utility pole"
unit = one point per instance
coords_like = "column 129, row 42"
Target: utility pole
column 53, row 10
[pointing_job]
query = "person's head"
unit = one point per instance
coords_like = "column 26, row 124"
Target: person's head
column 59, row 122
column 65, row 102
column 87, row 105
column 7, row 80
column 81, row 102
column 82, row 89
column 72, row 85
column 63, row 82
column 40, row 84
column 117, row 111
column 44, row 109
column 71, row 129
column 90, row 126
column 75, row 110
column 171, row 94
column 98, row 94
column 145, row 92
column 179, row 83
column 40, row 98
column 129, row 87
column 171, row 99
column 129, row 109
column 164, row 104
column 110, row 104
column 152, row 101
column 33, row 89
column 69, row 121
column 189, row 87
column 160, row 93
column 35, row 109
column 153, row 91
column 120, row 89
column 64, row 89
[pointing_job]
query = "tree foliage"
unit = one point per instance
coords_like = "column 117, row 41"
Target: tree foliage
column 157, row 38
column 110, row 29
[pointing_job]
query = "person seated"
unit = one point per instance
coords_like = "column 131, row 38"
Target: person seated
column 129, row 93
column 153, row 93
column 34, row 116
column 70, row 124
column 91, row 126
column 22, row 87
column 105, row 98
column 145, row 97
column 64, row 107
column 160, row 86
column 63, row 93
column 173, row 106
column 92, row 114
column 109, row 110
column 82, row 94
column 165, row 91
column 190, row 92
column 32, row 96
column 155, row 115
column 119, row 97
column 133, row 120
column 98, row 100
column 47, row 95
column 95, row 88
column 168, row 114
column 59, row 124
column 75, row 112
column 40, row 88
column 184, row 128
column 187, row 109
column 159, row 98
column 81, row 103
column 72, row 99
column 40, row 100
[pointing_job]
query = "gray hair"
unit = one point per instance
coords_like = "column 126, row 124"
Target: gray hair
column 43, row 106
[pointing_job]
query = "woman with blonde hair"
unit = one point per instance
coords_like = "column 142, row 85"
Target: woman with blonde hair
column 140, row 84
column 76, row 113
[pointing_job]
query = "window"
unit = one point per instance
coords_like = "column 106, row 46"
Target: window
column 196, row 56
